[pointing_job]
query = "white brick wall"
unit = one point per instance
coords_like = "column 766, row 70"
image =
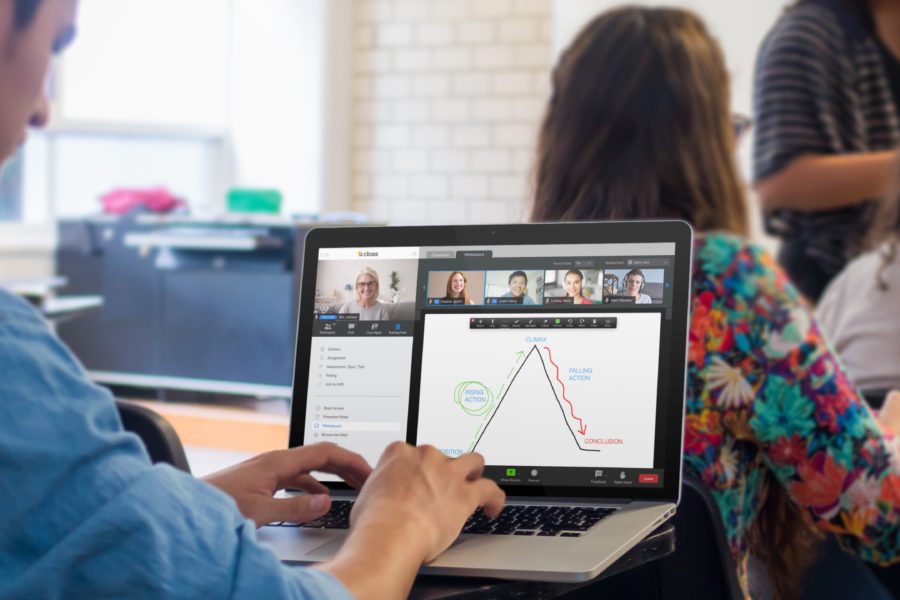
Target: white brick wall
column 447, row 98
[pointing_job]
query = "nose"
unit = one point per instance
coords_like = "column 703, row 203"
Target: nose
column 41, row 113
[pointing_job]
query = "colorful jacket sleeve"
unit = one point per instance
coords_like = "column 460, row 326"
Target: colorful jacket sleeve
column 814, row 431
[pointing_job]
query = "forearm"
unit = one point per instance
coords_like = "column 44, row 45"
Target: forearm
column 378, row 560
column 825, row 182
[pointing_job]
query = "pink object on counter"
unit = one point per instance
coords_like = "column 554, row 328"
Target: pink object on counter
column 122, row 200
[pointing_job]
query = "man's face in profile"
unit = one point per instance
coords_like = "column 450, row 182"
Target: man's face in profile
column 24, row 60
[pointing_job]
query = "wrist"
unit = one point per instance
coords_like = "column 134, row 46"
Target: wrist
column 380, row 557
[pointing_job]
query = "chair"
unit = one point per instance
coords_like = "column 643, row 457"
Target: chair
column 702, row 566
column 156, row 433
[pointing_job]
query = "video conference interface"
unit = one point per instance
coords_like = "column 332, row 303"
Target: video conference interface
column 559, row 343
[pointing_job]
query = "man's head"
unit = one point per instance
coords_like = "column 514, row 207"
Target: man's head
column 31, row 31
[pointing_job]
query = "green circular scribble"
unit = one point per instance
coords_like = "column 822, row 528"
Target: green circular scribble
column 465, row 390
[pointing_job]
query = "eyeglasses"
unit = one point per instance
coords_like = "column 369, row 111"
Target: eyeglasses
column 741, row 124
column 365, row 284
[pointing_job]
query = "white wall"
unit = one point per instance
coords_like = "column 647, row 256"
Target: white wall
column 447, row 98
column 290, row 73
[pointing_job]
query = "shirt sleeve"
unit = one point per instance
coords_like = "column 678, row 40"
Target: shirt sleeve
column 86, row 515
column 801, row 100
column 817, row 435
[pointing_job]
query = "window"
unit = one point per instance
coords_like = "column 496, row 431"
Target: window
column 147, row 63
column 194, row 96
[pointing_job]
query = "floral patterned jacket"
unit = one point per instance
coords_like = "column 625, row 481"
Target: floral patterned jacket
column 766, row 393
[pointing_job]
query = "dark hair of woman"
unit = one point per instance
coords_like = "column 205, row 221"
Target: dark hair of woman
column 23, row 13
column 639, row 126
column 884, row 235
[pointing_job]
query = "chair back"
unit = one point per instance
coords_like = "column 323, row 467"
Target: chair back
column 701, row 566
column 158, row 435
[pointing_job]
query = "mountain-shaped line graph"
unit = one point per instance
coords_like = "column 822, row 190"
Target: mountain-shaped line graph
column 562, row 405
column 582, row 427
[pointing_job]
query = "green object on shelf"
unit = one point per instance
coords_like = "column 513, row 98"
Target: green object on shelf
column 254, row 200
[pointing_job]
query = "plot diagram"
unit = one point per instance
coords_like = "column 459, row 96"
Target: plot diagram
column 534, row 404
column 551, row 398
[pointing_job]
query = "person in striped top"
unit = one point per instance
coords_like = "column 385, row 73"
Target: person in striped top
column 826, row 115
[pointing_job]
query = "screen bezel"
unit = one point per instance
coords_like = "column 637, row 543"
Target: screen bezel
column 669, row 421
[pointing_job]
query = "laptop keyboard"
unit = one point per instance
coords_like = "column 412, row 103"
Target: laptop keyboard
column 561, row 521
column 543, row 521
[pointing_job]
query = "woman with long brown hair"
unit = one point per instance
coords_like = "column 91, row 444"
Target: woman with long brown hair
column 639, row 126
column 457, row 288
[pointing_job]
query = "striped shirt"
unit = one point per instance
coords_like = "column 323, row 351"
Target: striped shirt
column 822, row 87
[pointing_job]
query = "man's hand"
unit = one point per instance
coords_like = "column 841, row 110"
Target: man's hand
column 253, row 482
column 409, row 511
column 432, row 494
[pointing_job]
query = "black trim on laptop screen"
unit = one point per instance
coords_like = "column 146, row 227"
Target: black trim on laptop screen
column 669, row 413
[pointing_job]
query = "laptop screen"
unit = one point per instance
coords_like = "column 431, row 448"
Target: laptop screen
column 547, row 359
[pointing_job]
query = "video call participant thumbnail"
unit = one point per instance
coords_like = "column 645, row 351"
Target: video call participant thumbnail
column 514, row 287
column 366, row 291
column 633, row 286
column 379, row 290
column 455, row 288
column 574, row 286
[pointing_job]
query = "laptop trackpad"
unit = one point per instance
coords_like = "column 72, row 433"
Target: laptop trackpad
column 328, row 548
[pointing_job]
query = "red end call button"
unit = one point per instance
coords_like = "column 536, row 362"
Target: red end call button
column 648, row 478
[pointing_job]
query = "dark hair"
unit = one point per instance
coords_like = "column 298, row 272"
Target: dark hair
column 23, row 13
column 884, row 234
column 634, row 272
column 639, row 125
column 574, row 272
column 782, row 538
column 515, row 274
column 860, row 9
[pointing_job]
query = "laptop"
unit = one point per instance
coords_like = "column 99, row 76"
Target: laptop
column 498, row 340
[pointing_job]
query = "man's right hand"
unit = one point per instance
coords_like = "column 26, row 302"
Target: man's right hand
column 429, row 491
column 411, row 508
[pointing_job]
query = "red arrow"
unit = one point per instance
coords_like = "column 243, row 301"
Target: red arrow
column 582, row 428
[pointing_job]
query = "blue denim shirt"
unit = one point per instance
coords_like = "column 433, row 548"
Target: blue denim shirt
column 83, row 513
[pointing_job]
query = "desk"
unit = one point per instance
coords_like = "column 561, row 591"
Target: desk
column 33, row 288
column 62, row 308
column 655, row 546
